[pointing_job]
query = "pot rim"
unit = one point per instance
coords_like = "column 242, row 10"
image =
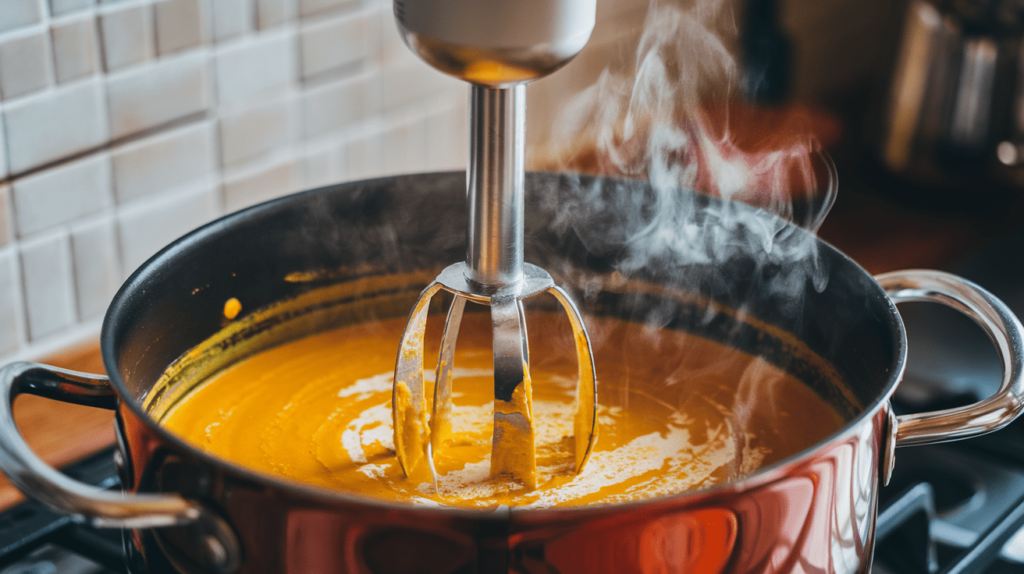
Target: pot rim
column 223, row 224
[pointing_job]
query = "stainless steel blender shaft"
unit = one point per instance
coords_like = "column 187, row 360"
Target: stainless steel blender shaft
column 494, row 274
column 494, row 258
column 494, row 251
column 498, row 51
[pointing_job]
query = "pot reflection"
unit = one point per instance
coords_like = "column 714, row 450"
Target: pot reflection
column 701, row 540
column 319, row 541
column 815, row 518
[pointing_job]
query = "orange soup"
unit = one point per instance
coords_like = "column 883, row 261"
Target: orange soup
column 676, row 412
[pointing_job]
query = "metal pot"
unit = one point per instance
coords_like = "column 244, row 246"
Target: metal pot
column 359, row 251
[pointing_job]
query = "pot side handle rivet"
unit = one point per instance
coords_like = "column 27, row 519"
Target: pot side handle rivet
column 888, row 461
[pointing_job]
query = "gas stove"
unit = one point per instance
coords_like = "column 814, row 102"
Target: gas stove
column 952, row 508
column 37, row 540
column 957, row 507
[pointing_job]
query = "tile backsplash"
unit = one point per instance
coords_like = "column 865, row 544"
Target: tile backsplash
column 127, row 123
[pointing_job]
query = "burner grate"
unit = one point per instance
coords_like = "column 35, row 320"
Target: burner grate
column 958, row 520
column 948, row 510
column 36, row 540
column 903, row 532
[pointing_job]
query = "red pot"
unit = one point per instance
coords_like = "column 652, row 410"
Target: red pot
column 812, row 512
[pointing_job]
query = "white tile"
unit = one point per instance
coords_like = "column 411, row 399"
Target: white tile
column 231, row 18
column 318, row 168
column 24, row 65
column 406, row 146
column 3, row 149
column 127, row 36
column 74, row 49
column 254, row 131
column 62, row 194
column 47, row 285
column 153, row 95
column 96, row 265
column 409, row 81
column 339, row 43
column 179, row 25
column 9, row 307
column 55, row 124
column 311, row 7
column 254, row 70
column 146, row 229
column 59, row 7
column 336, row 106
column 275, row 181
column 17, row 13
column 392, row 46
column 362, row 157
column 449, row 139
column 271, row 13
column 163, row 162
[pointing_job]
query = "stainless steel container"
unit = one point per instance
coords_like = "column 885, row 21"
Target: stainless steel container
column 951, row 114
column 360, row 251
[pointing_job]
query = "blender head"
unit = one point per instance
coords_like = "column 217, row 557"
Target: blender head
column 497, row 46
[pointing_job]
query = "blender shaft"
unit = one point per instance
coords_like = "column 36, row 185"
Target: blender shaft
column 494, row 251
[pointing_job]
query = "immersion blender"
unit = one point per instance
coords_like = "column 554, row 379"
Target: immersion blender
column 498, row 46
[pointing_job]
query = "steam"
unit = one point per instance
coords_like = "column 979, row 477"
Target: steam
column 672, row 121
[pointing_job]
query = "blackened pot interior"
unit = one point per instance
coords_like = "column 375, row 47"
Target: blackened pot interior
column 719, row 269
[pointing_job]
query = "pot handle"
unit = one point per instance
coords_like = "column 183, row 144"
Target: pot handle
column 1001, row 326
column 215, row 544
column 42, row 482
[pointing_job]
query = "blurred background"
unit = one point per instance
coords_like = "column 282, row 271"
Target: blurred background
column 127, row 123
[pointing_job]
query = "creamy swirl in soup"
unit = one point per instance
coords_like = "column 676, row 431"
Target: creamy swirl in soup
column 676, row 412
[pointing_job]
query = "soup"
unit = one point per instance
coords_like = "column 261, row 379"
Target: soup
column 676, row 412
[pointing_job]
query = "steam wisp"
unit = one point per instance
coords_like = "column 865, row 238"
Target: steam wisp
column 674, row 124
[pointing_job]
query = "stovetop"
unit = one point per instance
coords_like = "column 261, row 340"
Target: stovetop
column 957, row 507
column 37, row 540
column 952, row 508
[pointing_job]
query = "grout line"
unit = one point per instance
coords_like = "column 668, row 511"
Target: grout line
column 23, row 299
column 254, row 17
column 155, row 29
column 71, row 288
column 101, row 45
column 21, row 325
column 109, row 146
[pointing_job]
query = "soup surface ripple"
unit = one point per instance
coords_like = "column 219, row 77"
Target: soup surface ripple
column 676, row 412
